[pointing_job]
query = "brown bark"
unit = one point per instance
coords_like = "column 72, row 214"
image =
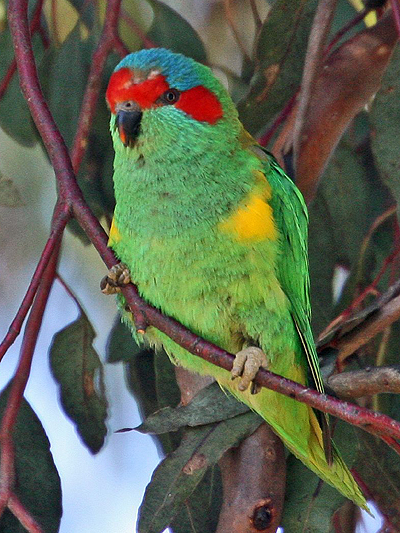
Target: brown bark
column 253, row 476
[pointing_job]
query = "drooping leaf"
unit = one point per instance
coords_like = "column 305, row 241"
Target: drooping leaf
column 378, row 467
column 180, row 472
column 200, row 512
column 151, row 379
column 310, row 503
column 172, row 31
column 280, row 54
column 37, row 483
column 15, row 117
column 349, row 199
column 86, row 11
column 121, row 346
column 386, row 127
column 9, row 193
column 349, row 78
column 210, row 405
column 77, row 368
column 61, row 68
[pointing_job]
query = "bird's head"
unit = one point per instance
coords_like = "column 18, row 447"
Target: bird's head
column 158, row 97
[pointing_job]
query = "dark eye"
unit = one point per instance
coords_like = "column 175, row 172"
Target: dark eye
column 170, row 97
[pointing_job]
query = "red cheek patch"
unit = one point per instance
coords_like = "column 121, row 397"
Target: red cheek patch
column 122, row 88
column 201, row 104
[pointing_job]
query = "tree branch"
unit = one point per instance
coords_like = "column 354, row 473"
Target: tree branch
column 370, row 380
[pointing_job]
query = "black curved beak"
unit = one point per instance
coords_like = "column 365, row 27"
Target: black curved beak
column 128, row 124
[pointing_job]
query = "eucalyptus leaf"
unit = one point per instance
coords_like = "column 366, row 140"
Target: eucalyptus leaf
column 15, row 117
column 200, row 512
column 310, row 503
column 172, row 31
column 210, row 405
column 121, row 345
column 77, row 368
column 175, row 479
column 280, row 54
column 37, row 483
column 385, row 123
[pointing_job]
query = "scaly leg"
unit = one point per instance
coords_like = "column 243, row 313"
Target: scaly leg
column 246, row 365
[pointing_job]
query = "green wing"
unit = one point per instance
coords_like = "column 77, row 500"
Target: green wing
column 291, row 217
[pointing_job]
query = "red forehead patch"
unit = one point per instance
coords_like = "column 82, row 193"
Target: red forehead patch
column 198, row 102
column 122, row 88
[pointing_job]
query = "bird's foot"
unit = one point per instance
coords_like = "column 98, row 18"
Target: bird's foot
column 118, row 276
column 246, row 365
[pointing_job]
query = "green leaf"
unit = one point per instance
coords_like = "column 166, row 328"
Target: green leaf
column 171, row 31
column 310, row 503
column 9, row 194
column 386, row 126
column 77, row 368
column 61, row 69
column 121, row 345
column 280, row 55
column 180, row 472
column 349, row 198
column 15, row 117
column 210, row 405
column 86, row 12
column 379, row 468
column 37, row 482
column 200, row 512
column 151, row 379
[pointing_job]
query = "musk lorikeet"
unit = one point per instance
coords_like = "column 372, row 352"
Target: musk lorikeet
column 214, row 234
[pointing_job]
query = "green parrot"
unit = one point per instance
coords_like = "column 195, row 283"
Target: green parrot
column 214, row 234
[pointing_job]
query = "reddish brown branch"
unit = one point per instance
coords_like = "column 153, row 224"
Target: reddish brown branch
column 34, row 26
column 108, row 41
column 19, row 511
column 5, row 82
column 16, row 393
column 396, row 14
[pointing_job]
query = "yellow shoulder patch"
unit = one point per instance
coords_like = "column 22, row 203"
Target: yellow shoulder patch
column 253, row 220
column 115, row 235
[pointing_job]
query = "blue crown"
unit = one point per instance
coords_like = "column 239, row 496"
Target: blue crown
column 181, row 72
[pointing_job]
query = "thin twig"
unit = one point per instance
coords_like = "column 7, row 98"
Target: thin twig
column 267, row 136
column 18, row 387
column 60, row 218
column 137, row 30
column 347, row 27
column 312, row 68
column 396, row 14
column 106, row 44
column 12, row 69
column 70, row 292
column 256, row 15
column 231, row 22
